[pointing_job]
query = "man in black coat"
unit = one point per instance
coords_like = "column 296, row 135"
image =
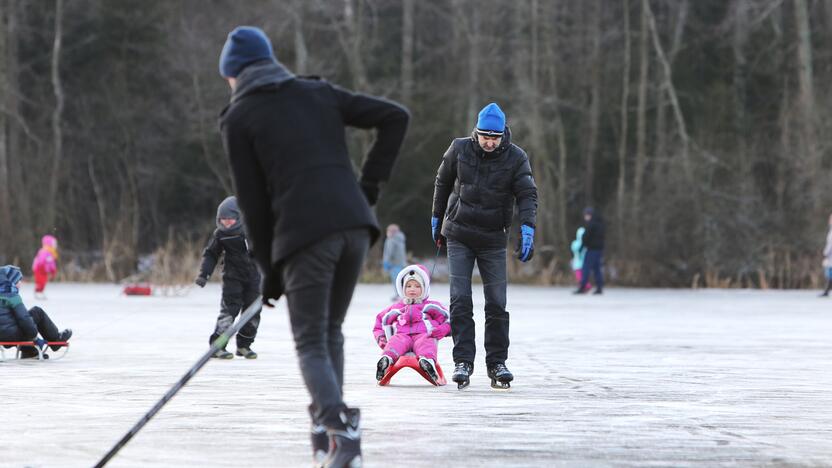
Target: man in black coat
column 476, row 187
column 593, row 241
column 240, row 278
column 308, row 218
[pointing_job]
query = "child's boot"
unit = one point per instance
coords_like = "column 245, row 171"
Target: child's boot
column 429, row 367
column 64, row 336
column 222, row 354
column 382, row 366
column 246, row 353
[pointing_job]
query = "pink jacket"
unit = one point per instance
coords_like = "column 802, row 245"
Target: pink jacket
column 421, row 317
column 45, row 260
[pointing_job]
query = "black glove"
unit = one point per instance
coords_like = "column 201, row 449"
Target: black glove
column 370, row 190
column 200, row 281
column 272, row 287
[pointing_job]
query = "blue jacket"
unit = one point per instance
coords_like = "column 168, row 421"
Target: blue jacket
column 15, row 322
column 578, row 250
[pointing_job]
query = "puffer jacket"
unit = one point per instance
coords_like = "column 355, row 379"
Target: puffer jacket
column 15, row 322
column 427, row 317
column 475, row 192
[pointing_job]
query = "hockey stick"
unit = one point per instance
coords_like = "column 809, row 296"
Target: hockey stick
column 218, row 344
column 435, row 259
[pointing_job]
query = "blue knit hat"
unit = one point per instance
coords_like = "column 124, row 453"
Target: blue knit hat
column 491, row 121
column 10, row 275
column 245, row 45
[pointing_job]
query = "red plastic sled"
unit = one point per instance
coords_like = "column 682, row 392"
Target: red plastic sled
column 17, row 344
column 411, row 361
column 137, row 289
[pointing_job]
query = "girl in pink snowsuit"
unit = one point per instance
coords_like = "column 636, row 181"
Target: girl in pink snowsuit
column 45, row 265
column 413, row 323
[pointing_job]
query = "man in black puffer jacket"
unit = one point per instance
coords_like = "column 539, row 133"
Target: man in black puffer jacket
column 240, row 278
column 308, row 218
column 476, row 186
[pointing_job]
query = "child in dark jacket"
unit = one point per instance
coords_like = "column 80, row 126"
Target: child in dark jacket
column 240, row 277
column 19, row 324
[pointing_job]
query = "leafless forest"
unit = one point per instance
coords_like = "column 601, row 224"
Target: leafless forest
column 697, row 127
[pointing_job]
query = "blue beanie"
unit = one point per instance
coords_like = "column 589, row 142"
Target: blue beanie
column 492, row 120
column 245, row 45
column 10, row 275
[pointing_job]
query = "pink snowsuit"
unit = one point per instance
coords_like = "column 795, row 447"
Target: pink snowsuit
column 412, row 324
column 44, row 265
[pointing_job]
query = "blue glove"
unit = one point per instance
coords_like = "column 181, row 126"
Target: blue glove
column 387, row 266
column 436, row 230
column 525, row 252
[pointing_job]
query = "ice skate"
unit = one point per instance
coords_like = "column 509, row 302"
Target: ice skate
column 429, row 367
column 381, row 368
column 320, row 440
column 345, row 446
column 222, row 354
column 500, row 376
column 462, row 374
column 246, row 353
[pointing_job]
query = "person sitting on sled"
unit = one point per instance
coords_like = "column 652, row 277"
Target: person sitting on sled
column 413, row 323
column 20, row 324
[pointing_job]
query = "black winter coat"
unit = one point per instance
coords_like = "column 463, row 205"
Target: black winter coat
column 593, row 238
column 238, row 264
column 475, row 192
column 292, row 172
column 16, row 323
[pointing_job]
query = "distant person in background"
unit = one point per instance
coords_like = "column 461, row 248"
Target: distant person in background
column 827, row 260
column 45, row 265
column 593, row 242
column 394, row 257
column 20, row 324
column 308, row 218
column 578, row 254
column 240, row 278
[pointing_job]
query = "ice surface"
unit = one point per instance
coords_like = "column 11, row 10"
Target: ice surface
column 633, row 378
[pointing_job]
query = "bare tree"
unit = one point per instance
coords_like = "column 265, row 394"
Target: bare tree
column 57, row 116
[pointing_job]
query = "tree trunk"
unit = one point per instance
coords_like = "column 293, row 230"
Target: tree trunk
column 57, row 115
column 671, row 90
column 6, row 235
column 622, row 142
column 806, row 98
column 407, row 50
column 301, row 52
column 595, row 102
column 641, row 111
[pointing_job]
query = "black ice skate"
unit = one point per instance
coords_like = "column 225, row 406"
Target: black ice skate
column 500, row 376
column 382, row 366
column 320, row 440
column 345, row 441
column 462, row 374
column 427, row 365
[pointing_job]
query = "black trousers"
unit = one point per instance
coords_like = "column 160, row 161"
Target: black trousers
column 46, row 328
column 236, row 296
column 319, row 281
column 492, row 266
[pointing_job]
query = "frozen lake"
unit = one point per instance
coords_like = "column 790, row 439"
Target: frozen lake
column 632, row 378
